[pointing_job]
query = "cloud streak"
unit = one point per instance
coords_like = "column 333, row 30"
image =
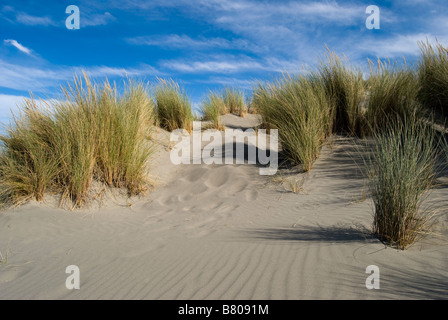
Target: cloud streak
column 30, row 20
column 20, row 77
column 231, row 64
column 19, row 47
column 175, row 41
column 92, row 20
column 397, row 45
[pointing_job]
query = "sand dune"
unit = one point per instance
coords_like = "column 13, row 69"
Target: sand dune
column 221, row 232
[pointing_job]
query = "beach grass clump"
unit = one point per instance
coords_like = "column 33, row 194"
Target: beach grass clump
column 213, row 107
column 344, row 88
column 173, row 107
column 299, row 109
column 94, row 134
column 392, row 95
column 433, row 77
column 124, row 126
column 234, row 101
column 401, row 171
column 28, row 165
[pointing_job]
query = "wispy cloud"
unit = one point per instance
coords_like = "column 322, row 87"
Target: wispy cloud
column 10, row 104
column 30, row 20
column 87, row 18
column 90, row 20
column 230, row 82
column 231, row 64
column 20, row 77
column 18, row 46
column 215, row 65
column 286, row 30
column 395, row 46
column 186, row 42
column 8, row 101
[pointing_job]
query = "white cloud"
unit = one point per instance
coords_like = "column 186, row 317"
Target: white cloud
column 8, row 103
column 18, row 46
column 399, row 45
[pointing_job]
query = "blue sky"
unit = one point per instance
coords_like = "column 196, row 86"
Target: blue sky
column 202, row 44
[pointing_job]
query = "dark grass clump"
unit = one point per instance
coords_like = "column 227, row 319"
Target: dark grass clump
column 299, row 109
column 392, row 96
column 344, row 87
column 433, row 78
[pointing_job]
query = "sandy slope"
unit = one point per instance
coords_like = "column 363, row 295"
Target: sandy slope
column 221, row 232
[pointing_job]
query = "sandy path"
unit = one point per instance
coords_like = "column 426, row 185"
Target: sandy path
column 221, row 232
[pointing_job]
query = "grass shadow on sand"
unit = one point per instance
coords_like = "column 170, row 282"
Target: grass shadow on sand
column 414, row 284
column 332, row 234
column 405, row 282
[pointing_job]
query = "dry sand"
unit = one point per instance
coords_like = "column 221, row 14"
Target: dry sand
column 221, row 232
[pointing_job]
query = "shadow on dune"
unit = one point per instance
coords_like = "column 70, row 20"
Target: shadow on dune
column 244, row 155
column 333, row 234
column 346, row 161
column 413, row 284
column 404, row 282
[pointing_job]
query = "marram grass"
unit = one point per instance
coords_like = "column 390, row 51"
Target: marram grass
column 95, row 134
column 344, row 87
column 229, row 100
column 401, row 172
column 234, row 101
column 173, row 106
column 213, row 107
column 433, row 77
column 299, row 109
column 392, row 95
